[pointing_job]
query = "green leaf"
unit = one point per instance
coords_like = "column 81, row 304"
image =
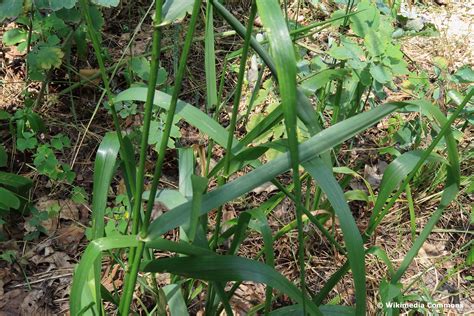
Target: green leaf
column 175, row 299
column 14, row 36
column 4, row 115
column 327, row 310
column 46, row 57
column 91, row 255
column 210, row 58
column 106, row 3
column 367, row 18
column 28, row 142
column 316, row 82
column 79, row 195
column 104, row 168
column 375, row 45
column 313, row 147
column 9, row 199
column 56, row 5
column 381, row 73
column 10, row 8
column 229, row 268
column 14, row 181
column 189, row 113
column 352, row 238
column 464, row 75
column 174, row 10
column 3, row 156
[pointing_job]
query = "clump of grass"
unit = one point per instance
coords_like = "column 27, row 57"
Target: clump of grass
column 197, row 259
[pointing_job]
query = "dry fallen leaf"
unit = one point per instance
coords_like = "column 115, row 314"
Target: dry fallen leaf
column 34, row 304
column 267, row 187
column 69, row 210
column 70, row 236
column 55, row 259
column 10, row 302
column 89, row 73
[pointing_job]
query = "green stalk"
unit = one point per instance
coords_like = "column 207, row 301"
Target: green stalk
column 84, row 4
column 137, row 199
column 154, row 67
column 235, row 108
column 132, row 275
column 233, row 123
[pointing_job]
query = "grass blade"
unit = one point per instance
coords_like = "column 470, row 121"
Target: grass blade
column 352, row 238
column 310, row 149
column 285, row 62
column 228, row 268
column 91, row 255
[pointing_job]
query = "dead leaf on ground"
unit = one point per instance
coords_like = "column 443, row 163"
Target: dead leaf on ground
column 374, row 174
column 69, row 210
column 35, row 304
column 10, row 302
column 70, row 236
column 5, row 277
column 56, row 259
column 267, row 187
column 110, row 282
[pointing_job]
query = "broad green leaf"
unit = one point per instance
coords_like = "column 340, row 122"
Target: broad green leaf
column 174, row 10
column 464, row 75
column 375, row 45
column 393, row 175
column 9, row 199
column 91, row 255
column 381, row 73
column 46, row 57
column 56, row 5
column 368, row 18
column 340, row 53
column 352, row 238
column 175, row 299
column 189, row 113
column 106, row 3
column 186, row 162
column 104, row 168
column 10, row 8
column 14, row 181
column 170, row 198
column 316, row 82
column 199, row 185
column 14, row 36
column 356, row 195
column 229, row 268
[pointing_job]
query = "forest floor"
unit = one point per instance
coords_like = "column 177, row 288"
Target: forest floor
column 35, row 275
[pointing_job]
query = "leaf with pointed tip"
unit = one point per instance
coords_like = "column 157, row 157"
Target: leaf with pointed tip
column 228, row 268
column 352, row 238
column 310, row 149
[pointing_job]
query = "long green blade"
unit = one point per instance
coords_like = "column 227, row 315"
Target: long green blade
column 228, row 268
column 310, row 149
column 352, row 238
